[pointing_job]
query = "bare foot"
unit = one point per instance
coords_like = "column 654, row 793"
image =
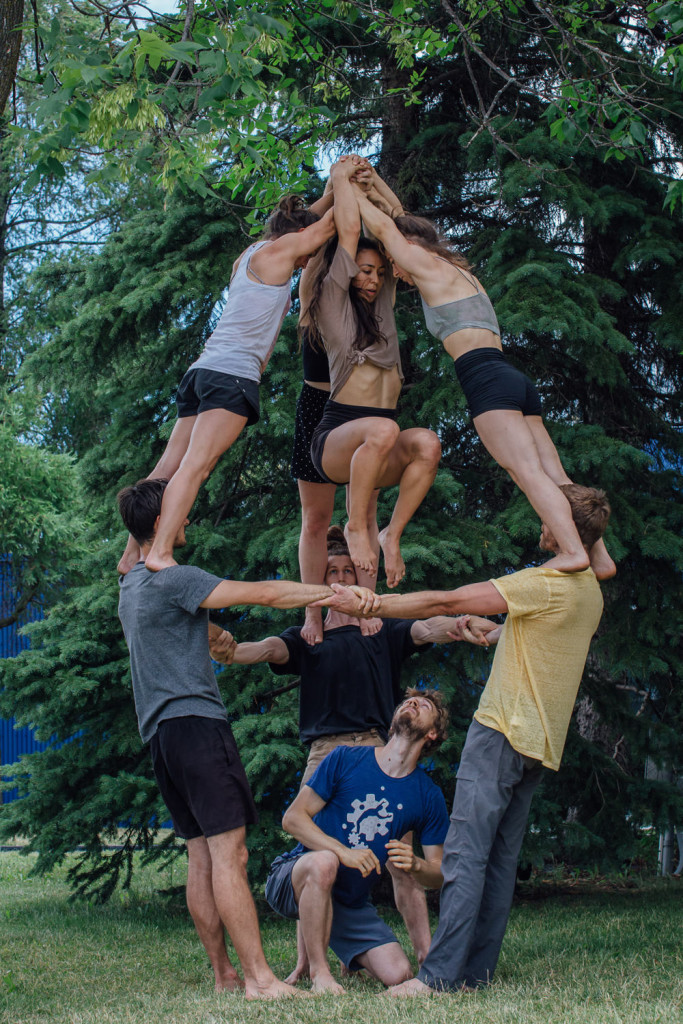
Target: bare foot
column 326, row 983
column 394, row 566
column 229, row 982
column 312, row 629
column 360, row 549
column 566, row 562
column 155, row 562
column 412, row 987
column 130, row 557
column 273, row 990
column 601, row 563
column 298, row 974
column 368, row 627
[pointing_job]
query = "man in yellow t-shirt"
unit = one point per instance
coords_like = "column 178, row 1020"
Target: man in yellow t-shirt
column 520, row 726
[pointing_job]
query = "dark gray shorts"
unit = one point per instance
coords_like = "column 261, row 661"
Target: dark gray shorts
column 201, row 390
column 355, row 930
column 201, row 777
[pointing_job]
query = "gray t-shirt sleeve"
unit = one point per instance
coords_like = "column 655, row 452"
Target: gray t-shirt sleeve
column 187, row 586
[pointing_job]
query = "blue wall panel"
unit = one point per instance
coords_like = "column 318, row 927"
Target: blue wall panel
column 14, row 742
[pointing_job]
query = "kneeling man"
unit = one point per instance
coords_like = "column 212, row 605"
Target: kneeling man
column 348, row 819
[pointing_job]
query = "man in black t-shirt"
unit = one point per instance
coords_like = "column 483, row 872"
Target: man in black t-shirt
column 350, row 685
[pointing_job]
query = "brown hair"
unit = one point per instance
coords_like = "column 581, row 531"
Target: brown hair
column 368, row 331
column 290, row 214
column 428, row 236
column 590, row 511
column 441, row 723
column 336, row 542
column 140, row 505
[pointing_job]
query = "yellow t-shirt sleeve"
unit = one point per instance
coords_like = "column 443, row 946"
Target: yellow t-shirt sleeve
column 525, row 592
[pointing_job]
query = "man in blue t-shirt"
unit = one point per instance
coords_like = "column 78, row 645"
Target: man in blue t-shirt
column 349, row 819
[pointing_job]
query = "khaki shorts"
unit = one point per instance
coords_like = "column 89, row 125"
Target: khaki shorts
column 326, row 744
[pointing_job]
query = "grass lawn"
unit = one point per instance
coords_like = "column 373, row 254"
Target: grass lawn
column 572, row 954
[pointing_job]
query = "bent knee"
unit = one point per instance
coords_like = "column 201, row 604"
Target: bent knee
column 384, row 434
column 429, row 447
column 321, row 869
column 397, row 973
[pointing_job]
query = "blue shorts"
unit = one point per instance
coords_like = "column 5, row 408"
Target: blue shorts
column 355, row 930
column 201, row 390
column 490, row 382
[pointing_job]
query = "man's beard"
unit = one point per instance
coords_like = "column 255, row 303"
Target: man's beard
column 407, row 725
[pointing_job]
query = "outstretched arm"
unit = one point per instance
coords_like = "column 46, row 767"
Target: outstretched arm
column 225, row 649
column 443, row 629
column 378, row 192
column 477, row 598
column 270, row 593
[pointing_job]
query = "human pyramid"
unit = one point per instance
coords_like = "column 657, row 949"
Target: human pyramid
column 363, row 796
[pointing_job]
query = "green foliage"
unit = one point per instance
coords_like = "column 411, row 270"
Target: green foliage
column 582, row 260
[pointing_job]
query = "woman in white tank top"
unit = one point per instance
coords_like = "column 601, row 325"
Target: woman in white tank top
column 218, row 395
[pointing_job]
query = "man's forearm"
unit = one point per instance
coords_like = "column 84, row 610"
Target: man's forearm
column 258, row 651
column 427, row 873
column 304, row 829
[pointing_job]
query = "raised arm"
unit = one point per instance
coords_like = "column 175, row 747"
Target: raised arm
column 298, row 821
column 346, row 215
column 322, row 205
column 275, row 262
column 378, row 192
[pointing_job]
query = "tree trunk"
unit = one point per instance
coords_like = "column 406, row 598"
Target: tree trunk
column 11, row 17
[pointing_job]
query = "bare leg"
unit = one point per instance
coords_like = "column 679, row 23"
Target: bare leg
column 413, row 463
column 317, row 506
column 312, row 879
column 164, row 470
column 369, row 627
column 508, row 438
column 359, row 452
column 237, row 911
column 207, row 921
column 601, row 563
column 302, row 969
column 213, row 433
column 411, row 902
column 387, row 963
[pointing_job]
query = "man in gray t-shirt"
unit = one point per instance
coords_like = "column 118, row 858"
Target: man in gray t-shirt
column 165, row 618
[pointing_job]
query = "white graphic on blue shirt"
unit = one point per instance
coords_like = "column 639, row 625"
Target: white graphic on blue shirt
column 370, row 818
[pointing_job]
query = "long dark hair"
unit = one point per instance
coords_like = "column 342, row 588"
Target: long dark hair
column 368, row 331
column 290, row 214
column 430, row 238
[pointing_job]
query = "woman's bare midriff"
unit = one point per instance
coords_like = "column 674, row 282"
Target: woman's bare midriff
column 469, row 338
column 371, row 385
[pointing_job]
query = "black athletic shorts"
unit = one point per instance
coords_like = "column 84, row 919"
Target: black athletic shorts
column 201, row 390
column 201, row 777
column 490, row 382
column 309, row 411
column 335, row 414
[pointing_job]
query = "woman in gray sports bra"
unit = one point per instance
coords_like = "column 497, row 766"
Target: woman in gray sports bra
column 505, row 405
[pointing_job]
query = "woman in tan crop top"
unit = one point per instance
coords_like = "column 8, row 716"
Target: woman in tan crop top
column 358, row 440
column 505, row 406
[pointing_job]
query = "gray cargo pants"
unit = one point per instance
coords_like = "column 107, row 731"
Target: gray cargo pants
column 493, row 793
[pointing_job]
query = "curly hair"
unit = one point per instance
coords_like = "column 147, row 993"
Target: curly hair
column 442, row 717
column 336, row 542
